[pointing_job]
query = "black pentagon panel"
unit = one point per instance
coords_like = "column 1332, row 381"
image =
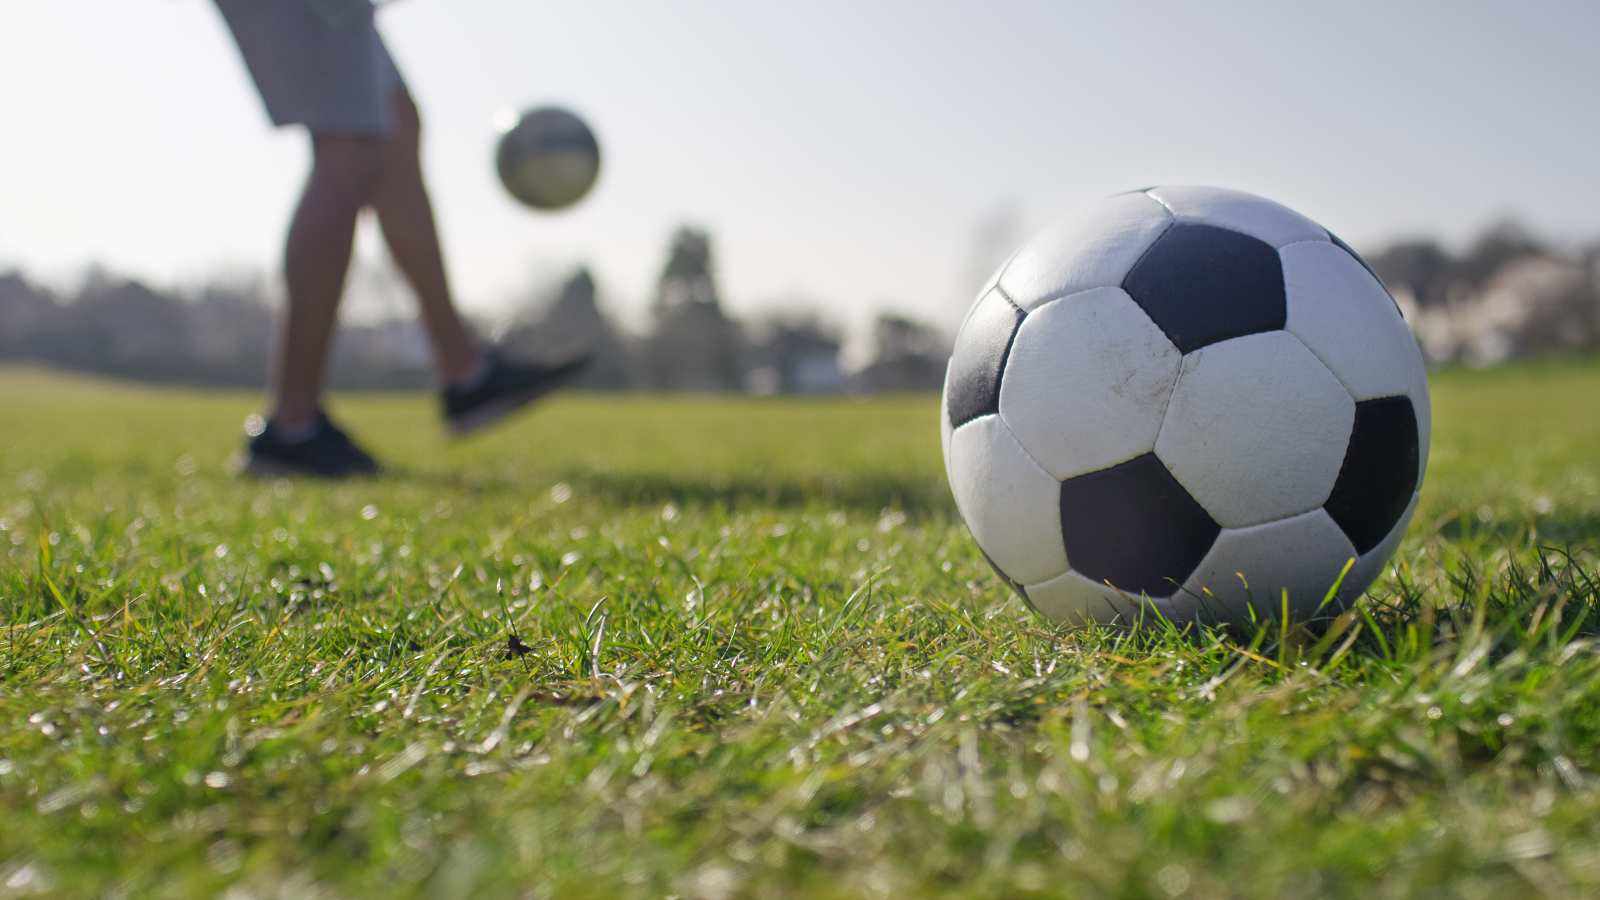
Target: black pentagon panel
column 979, row 358
column 1203, row 284
column 1135, row 527
column 1379, row 473
column 1351, row 250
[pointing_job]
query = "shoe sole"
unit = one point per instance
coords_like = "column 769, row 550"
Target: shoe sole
column 494, row 411
column 265, row 468
column 261, row 467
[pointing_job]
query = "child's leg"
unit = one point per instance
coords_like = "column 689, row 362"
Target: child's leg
column 344, row 175
column 406, row 216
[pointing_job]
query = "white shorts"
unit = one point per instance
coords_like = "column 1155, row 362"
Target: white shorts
column 317, row 63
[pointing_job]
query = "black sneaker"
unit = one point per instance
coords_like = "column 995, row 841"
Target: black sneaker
column 328, row 453
column 506, row 388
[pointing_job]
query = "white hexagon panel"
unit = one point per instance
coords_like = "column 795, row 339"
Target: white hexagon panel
column 1010, row 504
column 1302, row 554
column 1087, row 382
column 1422, row 405
column 1076, row 600
column 1238, row 211
column 1256, row 429
column 1094, row 247
column 1344, row 315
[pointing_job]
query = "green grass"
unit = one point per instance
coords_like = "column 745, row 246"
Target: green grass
column 758, row 656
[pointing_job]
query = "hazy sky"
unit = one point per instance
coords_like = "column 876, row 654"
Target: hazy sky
column 849, row 155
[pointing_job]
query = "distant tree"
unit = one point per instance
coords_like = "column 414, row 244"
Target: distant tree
column 911, row 356
column 1501, row 244
column 381, row 356
column 1432, row 276
column 1557, row 303
column 1509, row 295
column 573, row 323
column 230, row 327
column 132, row 331
column 694, row 346
column 33, row 325
column 216, row 337
column 1411, row 266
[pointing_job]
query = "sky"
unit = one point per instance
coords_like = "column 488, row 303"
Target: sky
column 851, row 157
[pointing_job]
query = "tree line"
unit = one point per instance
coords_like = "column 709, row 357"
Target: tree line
column 220, row 335
column 1507, row 295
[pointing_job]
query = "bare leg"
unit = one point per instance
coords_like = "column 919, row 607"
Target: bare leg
column 345, row 174
column 406, row 216
column 350, row 172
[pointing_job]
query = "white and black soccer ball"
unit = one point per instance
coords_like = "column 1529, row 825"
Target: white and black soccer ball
column 549, row 159
column 1185, row 399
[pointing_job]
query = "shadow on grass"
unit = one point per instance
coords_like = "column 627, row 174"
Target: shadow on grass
column 870, row 493
column 867, row 493
column 1524, row 584
column 1561, row 528
column 1537, row 594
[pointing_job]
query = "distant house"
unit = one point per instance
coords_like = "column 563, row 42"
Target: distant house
column 793, row 356
column 911, row 356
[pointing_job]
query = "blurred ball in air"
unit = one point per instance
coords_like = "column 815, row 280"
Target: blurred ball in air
column 548, row 158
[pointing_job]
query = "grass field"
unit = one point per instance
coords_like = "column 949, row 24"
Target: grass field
column 648, row 647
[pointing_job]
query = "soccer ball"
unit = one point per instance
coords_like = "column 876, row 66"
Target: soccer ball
column 1185, row 400
column 549, row 159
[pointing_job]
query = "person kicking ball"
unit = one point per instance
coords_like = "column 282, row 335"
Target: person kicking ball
column 322, row 64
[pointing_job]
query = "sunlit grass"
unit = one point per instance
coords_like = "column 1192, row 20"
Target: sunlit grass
column 649, row 646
